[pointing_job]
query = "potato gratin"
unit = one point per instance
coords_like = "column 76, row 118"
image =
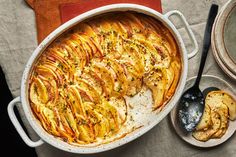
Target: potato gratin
column 220, row 107
column 79, row 85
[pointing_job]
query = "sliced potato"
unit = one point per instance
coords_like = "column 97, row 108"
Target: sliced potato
column 78, row 54
column 92, row 80
column 105, row 76
column 87, row 90
column 120, row 104
column 156, row 81
column 118, row 74
column 176, row 68
column 75, row 101
column 134, row 82
column 217, row 97
column 99, row 121
column 71, row 121
column 206, row 121
column 223, row 112
column 133, row 55
column 204, row 135
column 86, row 134
column 38, row 92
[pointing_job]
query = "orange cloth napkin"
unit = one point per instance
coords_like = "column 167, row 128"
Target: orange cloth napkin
column 70, row 10
column 50, row 14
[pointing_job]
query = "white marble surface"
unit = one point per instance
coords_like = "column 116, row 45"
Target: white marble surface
column 18, row 40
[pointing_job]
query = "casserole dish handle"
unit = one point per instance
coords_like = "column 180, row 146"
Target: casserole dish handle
column 187, row 28
column 19, row 129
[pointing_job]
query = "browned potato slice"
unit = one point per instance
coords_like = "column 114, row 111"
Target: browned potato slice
column 110, row 112
column 55, row 67
column 108, row 38
column 71, row 61
column 223, row 112
column 215, row 102
column 159, row 55
column 84, row 46
column 106, row 90
column 92, row 80
column 87, row 44
column 133, row 56
column 113, row 111
column 101, row 127
column 99, row 122
column 75, row 101
column 121, row 107
column 160, row 35
column 230, row 102
column 170, row 75
column 50, row 81
column 46, row 72
column 105, row 76
column 60, row 58
column 135, row 26
column 86, row 134
column 77, row 53
column 132, row 65
column 134, row 82
column 84, row 28
column 50, row 120
column 217, row 97
column 88, row 35
column 38, row 92
column 121, row 83
column 204, row 135
column 71, row 121
column 63, row 127
column 205, row 122
column 176, row 68
column 156, row 81
column 87, row 91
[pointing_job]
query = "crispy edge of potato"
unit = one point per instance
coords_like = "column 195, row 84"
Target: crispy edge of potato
column 228, row 100
column 223, row 112
column 206, row 121
column 205, row 135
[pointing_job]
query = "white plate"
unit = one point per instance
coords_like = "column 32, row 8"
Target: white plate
column 223, row 38
column 206, row 81
column 218, row 59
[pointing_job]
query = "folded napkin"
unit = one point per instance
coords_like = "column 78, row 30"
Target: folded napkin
column 50, row 14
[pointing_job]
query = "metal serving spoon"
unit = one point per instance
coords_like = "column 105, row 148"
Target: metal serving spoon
column 191, row 104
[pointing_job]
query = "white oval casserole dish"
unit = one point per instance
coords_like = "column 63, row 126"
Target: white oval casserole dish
column 46, row 137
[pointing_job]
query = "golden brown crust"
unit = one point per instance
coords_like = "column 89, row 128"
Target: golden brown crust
column 77, row 86
column 206, row 121
column 204, row 135
column 225, row 98
column 223, row 104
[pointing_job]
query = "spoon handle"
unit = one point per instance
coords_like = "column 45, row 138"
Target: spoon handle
column 207, row 40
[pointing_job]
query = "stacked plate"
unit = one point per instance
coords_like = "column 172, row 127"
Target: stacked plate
column 224, row 39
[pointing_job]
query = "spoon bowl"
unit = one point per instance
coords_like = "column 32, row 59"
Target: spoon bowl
column 192, row 107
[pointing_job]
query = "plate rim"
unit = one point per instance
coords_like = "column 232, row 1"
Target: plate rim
column 216, row 55
column 218, row 37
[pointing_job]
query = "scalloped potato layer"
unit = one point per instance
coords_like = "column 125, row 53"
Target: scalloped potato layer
column 78, row 85
column 220, row 107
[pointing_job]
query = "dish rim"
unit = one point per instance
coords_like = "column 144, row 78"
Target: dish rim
column 48, row 40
